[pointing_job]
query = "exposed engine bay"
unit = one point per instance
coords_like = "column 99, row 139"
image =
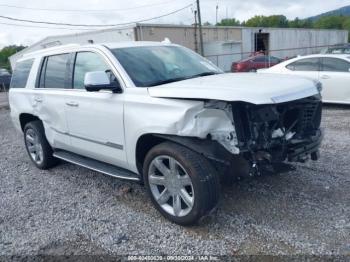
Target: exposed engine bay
column 278, row 132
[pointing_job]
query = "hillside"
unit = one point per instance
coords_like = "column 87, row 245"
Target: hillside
column 345, row 11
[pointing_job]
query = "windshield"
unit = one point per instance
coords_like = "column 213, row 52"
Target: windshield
column 156, row 65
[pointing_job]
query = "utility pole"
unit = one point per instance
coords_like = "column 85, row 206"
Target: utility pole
column 200, row 28
column 216, row 17
column 195, row 32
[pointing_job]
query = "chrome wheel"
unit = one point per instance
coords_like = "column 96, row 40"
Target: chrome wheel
column 34, row 146
column 171, row 186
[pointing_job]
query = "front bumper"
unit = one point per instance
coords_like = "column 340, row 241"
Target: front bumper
column 301, row 152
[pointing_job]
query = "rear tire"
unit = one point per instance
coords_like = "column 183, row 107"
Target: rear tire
column 38, row 148
column 182, row 184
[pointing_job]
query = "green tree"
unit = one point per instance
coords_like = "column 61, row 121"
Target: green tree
column 267, row 21
column 229, row 22
column 330, row 22
column 6, row 52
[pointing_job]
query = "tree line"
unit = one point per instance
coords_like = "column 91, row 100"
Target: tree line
column 325, row 22
column 6, row 52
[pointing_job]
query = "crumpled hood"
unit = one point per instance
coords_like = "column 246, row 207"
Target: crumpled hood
column 247, row 87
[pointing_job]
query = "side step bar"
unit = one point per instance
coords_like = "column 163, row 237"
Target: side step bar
column 96, row 165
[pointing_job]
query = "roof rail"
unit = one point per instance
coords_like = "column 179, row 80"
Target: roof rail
column 51, row 49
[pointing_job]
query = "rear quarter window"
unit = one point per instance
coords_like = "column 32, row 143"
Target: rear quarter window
column 21, row 73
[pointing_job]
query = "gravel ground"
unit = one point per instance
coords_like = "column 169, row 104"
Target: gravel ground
column 71, row 210
column 3, row 100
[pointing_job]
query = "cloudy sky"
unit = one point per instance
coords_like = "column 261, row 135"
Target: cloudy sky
column 100, row 12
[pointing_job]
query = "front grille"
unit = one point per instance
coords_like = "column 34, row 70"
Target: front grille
column 311, row 116
column 256, row 123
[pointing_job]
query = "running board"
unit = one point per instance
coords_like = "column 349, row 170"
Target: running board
column 96, row 165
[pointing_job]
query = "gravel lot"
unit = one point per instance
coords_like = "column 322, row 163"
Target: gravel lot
column 3, row 100
column 71, row 210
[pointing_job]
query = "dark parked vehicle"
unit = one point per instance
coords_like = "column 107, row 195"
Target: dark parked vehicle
column 339, row 49
column 5, row 79
column 252, row 63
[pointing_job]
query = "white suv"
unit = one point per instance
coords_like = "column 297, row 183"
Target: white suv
column 162, row 115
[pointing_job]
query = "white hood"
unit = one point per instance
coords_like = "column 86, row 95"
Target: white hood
column 247, row 87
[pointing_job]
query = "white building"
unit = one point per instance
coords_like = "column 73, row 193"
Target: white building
column 222, row 45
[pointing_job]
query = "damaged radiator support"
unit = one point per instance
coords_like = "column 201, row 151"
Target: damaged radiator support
column 270, row 134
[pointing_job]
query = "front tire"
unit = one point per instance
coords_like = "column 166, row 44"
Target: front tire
column 182, row 184
column 38, row 148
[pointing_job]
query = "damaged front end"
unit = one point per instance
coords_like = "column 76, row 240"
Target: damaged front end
column 242, row 138
column 270, row 134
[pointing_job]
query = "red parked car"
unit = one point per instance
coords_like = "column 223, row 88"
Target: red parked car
column 252, row 63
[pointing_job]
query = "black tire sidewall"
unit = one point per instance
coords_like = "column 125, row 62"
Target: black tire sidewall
column 48, row 159
column 201, row 205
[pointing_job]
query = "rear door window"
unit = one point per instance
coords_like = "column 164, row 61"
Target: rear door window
column 307, row 64
column 55, row 71
column 331, row 64
column 21, row 73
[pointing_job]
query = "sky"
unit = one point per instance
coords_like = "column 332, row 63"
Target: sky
column 133, row 10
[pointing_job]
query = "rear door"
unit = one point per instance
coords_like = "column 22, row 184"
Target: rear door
column 95, row 119
column 335, row 78
column 49, row 98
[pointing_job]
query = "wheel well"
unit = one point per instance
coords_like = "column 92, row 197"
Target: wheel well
column 144, row 144
column 26, row 118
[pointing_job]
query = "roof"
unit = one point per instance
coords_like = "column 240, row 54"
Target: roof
column 342, row 56
column 73, row 47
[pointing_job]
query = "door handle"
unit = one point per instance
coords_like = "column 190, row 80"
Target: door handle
column 38, row 99
column 72, row 103
column 325, row 76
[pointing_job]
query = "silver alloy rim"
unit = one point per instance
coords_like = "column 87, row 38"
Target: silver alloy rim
column 171, row 186
column 34, row 146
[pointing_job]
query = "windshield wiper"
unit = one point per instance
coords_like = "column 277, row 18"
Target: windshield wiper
column 163, row 82
column 204, row 74
column 183, row 78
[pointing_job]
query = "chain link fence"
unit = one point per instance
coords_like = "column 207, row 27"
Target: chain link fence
column 225, row 60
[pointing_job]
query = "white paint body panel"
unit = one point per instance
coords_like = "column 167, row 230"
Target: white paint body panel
column 336, row 85
column 102, row 119
column 247, row 87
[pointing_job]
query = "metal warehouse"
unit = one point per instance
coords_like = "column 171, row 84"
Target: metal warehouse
column 222, row 45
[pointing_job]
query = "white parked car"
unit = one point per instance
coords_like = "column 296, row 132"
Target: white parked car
column 162, row 115
column 333, row 71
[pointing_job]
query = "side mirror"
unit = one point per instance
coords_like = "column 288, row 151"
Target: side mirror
column 99, row 80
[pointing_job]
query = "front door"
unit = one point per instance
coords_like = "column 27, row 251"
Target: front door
column 95, row 119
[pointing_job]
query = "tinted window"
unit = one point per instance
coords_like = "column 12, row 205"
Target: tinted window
column 55, row 68
column 21, row 73
column 274, row 60
column 87, row 62
column 307, row 64
column 339, row 51
column 335, row 65
column 260, row 59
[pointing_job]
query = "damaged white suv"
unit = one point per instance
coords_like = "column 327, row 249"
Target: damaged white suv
column 162, row 115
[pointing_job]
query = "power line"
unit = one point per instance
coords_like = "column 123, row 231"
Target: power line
column 46, row 27
column 93, row 25
column 85, row 10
